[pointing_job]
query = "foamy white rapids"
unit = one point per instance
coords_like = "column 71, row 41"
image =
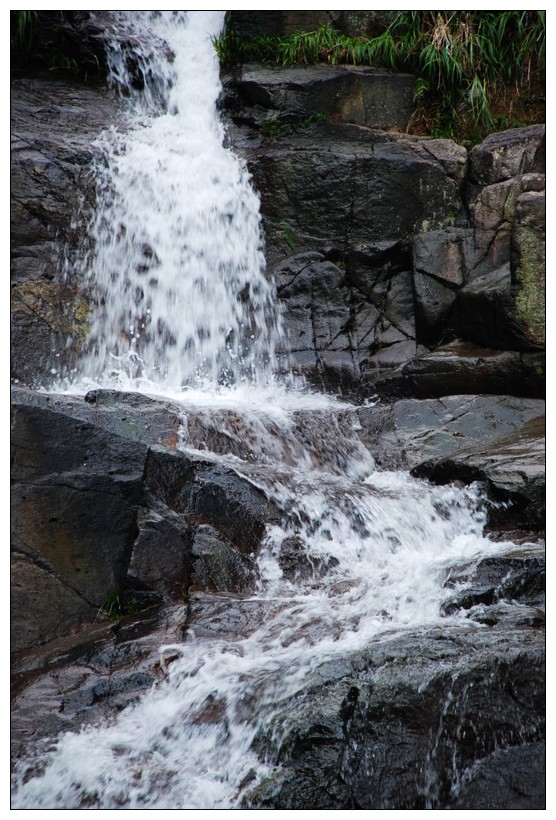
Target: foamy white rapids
column 176, row 263
column 372, row 551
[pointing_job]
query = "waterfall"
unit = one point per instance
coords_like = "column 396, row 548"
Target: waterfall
column 183, row 306
column 176, row 264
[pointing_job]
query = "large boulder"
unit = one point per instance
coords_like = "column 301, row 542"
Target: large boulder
column 75, row 495
column 103, row 502
column 508, row 154
column 299, row 94
column 366, row 187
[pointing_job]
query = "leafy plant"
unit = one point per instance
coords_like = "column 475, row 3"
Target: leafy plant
column 23, row 29
column 115, row 607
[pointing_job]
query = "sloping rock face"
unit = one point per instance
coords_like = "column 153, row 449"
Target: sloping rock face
column 496, row 440
column 422, row 722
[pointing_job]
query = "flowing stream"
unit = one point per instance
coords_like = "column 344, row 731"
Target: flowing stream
column 185, row 310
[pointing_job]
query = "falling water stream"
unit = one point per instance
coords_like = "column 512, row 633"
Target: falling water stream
column 185, row 310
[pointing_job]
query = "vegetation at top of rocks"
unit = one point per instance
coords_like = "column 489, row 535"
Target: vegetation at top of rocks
column 477, row 71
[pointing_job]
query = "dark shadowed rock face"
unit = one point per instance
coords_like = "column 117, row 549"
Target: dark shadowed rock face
column 272, row 23
column 431, row 250
column 103, row 501
column 417, row 722
column 272, row 97
column 53, row 128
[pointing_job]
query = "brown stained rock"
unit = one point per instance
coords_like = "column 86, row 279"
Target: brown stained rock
column 42, row 605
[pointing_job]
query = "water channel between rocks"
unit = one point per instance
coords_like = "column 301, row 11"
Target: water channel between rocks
column 354, row 555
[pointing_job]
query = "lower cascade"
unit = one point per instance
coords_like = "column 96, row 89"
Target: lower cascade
column 355, row 565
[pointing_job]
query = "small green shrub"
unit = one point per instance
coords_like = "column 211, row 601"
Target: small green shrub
column 114, row 607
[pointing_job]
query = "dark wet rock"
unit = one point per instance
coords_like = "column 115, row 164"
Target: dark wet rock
column 296, row 564
column 510, row 779
column 67, row 42
column 350, row 305
column 161, row 556
column 132, row 416
column 513, row 468
column 411, row 431
column 508, row 153
column 75, row 495
column 407, row 724
column 42, row 605
column 96, row 510
column 449, row 271
column 336, row 319
column 498, row 440
column 53, row 127
column 349, row 194
column 209, row 493
column 485, row 312
column 273, row 23
column 498, row 579
column 295, row 94
column 230, row 617
column 462, row 367
column 218, row 566
column 48, row 438
column 438, row 271
column 79, row 679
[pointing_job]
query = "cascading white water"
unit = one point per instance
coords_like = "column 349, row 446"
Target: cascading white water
column 178, row 265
